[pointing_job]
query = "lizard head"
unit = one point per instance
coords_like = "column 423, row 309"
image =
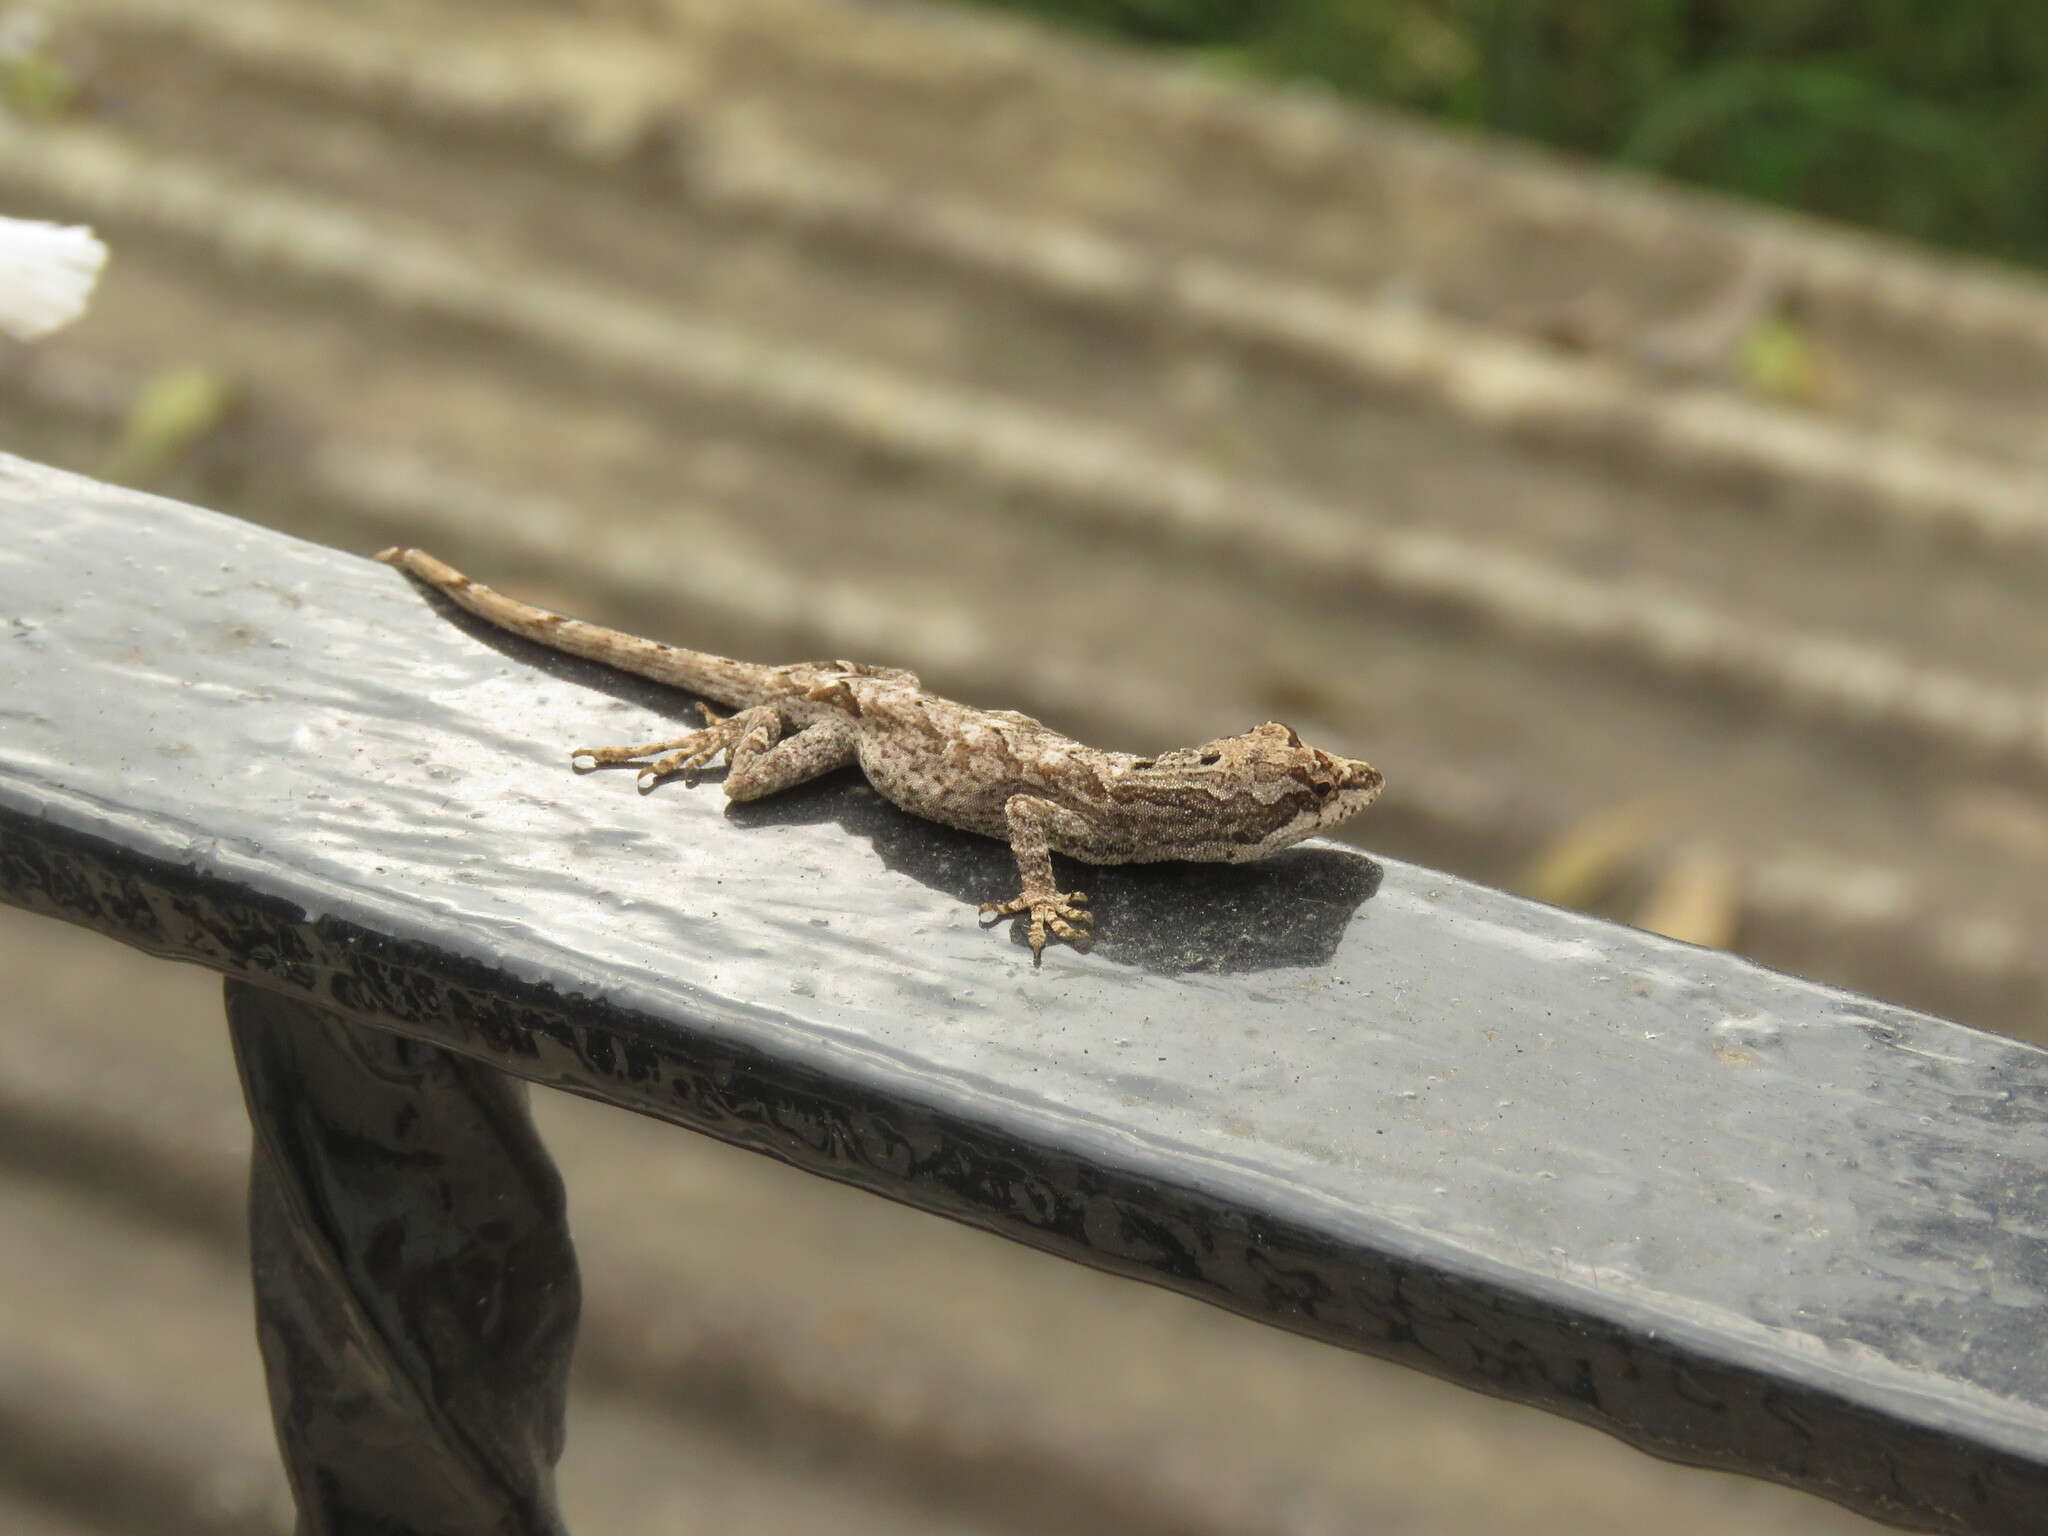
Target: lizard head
column 1278, row 789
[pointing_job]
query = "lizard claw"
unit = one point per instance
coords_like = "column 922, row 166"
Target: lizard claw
column 1061, row 911
column 685, row 762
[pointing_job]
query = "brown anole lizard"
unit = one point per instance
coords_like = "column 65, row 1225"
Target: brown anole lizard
column 994, row 772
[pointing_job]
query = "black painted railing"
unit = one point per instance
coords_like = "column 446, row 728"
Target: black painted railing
column 1739, row 1219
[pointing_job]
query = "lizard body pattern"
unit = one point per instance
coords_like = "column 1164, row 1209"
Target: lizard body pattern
column 995, row 772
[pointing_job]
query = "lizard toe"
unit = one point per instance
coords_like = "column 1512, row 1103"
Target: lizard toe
column 1058, row 913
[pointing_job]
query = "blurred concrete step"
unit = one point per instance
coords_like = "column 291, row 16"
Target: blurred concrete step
column 1153, row 151
column 129, row 1386
column 23, row 1518
column 1264, row 395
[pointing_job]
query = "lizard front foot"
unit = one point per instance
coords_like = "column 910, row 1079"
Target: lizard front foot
column 1061, row 911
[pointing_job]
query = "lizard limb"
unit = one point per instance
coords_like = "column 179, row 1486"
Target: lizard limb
column 762, row 765
column 1033, row 824
column 763, row 760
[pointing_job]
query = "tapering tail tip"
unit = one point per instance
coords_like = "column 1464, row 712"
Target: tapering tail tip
column 435, row 573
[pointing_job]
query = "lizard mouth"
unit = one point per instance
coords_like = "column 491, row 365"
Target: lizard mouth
column 1340, row 788
column 1361, row 779
column 1356, row 786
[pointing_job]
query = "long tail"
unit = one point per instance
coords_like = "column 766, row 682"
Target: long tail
column 734, row 683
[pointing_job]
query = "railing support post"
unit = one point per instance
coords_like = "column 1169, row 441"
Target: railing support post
column 416, row 1290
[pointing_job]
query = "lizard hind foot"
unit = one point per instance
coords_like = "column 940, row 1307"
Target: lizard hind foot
column 685, row 762
column 685, row 755
column 1063, row 912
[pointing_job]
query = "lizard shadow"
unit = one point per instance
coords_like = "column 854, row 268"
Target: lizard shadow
column 1289, row 909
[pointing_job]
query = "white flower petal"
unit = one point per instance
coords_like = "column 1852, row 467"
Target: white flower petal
column 46, row 274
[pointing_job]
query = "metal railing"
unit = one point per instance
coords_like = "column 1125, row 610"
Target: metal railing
column 1736, row 1218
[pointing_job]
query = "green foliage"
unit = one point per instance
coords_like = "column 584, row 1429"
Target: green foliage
column 1927, row 118
column 176, row 408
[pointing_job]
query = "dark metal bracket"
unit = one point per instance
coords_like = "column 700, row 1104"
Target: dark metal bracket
column 416, row 1291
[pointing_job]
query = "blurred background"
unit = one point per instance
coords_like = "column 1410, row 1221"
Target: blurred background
column 1678, row 558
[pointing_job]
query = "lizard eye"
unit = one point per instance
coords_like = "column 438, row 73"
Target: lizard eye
column 1211, row 759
